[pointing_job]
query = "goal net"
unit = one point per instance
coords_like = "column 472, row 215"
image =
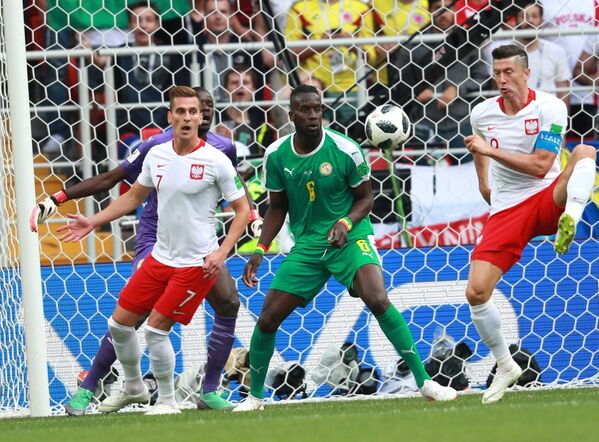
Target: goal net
column 97, row 82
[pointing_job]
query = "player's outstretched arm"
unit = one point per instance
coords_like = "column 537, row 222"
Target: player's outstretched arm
column 91, row 186
column 273, row 221
column 215, row 261
column 124, row 204
column 363, row 202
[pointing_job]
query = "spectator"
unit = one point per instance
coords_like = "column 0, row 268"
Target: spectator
column 546, row 60
column 144, row 78
column 210, row 21
column 394, row 18
column 334, row 66
column 579, row 14
column 586, row 71
column 440, row 112
column 94, row 23
column 248, row 124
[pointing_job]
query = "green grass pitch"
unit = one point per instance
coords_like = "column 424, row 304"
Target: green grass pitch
column 558, row 415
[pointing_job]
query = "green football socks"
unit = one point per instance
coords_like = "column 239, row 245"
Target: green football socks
column 262, row 347
column 395, row 328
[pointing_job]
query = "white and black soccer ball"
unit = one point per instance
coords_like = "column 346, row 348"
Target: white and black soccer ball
column 387, row 127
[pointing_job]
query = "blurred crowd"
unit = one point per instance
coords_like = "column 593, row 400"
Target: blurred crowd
column 251, row 84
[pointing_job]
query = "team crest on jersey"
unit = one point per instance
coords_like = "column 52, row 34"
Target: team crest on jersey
column 531, row 127
column 326, row 169
column 196, row 172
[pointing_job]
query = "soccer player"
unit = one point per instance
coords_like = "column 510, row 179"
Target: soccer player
column 189, row 177
column 322, row 180
column 223, row 296
column 517, row 136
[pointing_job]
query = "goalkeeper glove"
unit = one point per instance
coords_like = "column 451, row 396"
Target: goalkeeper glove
column 44, row 210
column 255, row 223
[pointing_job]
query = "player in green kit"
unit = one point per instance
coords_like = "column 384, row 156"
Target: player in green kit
column 320, row 177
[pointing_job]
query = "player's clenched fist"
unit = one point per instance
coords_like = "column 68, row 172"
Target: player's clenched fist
column 476, row 144
column 45, row 209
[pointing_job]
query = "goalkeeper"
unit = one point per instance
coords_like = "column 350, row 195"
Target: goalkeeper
column 322, row 180
column 223, row 297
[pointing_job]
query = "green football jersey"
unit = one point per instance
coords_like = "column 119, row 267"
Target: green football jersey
column 318, row 185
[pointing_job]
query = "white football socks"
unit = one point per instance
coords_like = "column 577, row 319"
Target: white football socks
column 162, row 363
column 128, row 352
column 487, row 319
column 580, row 185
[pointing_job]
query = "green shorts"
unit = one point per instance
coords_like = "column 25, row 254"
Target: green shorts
column 306, row 270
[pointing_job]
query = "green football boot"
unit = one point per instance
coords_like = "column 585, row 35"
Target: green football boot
column 79, row 402
column 565, row 233
column 215, row 401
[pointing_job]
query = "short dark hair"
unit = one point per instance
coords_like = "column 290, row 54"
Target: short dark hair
column 302, row 89
column 141, row 4
column 229, row 72
column 180, row 91
column 200, row 89
column 509, row 51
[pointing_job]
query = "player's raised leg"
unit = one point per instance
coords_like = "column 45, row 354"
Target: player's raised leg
column 277, row 306
column 573, row 190
column 482, row 280
column 370, row 286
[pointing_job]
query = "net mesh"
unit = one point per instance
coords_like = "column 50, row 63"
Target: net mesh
column 98, row 80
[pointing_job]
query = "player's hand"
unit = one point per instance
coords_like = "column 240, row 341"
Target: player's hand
column 76, row 230
column 41, row 212
column 477, row 145
column 213, row 263
column 338, row 235
column 256, row 227
column 250, row 270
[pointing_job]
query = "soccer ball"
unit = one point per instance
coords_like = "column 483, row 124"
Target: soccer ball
column 387, row 126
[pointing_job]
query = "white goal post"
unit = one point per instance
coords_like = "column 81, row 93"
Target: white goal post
column 55, row 298
column 17, row 161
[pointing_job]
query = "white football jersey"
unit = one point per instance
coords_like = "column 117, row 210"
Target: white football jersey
column 541, row 123
column 188, row 188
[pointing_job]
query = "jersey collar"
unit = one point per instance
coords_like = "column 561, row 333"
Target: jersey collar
column 200, row 144
column 531, row 96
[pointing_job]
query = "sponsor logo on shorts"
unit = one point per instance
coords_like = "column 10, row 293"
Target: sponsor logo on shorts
column 326, row 169
column 196, row 171
column 531, row 126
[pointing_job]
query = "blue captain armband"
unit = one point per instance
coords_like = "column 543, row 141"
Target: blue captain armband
column 549, row 141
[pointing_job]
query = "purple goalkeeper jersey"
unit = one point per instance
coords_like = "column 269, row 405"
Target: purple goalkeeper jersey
column 148, row 222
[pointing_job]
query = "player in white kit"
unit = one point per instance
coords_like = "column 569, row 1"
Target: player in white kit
column 517, row 137
column 190, row 177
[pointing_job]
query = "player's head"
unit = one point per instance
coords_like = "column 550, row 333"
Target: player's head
column 443, row 17
column 184, row 114
column 529, row 17
column 207, row 108
column 144, row 22
column 510, row 70
column 306, row 109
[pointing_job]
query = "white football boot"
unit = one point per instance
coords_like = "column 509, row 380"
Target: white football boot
column 160, row 409
column 121, row 399
column 434, row 391
column 250, row 403
column 502, row 380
